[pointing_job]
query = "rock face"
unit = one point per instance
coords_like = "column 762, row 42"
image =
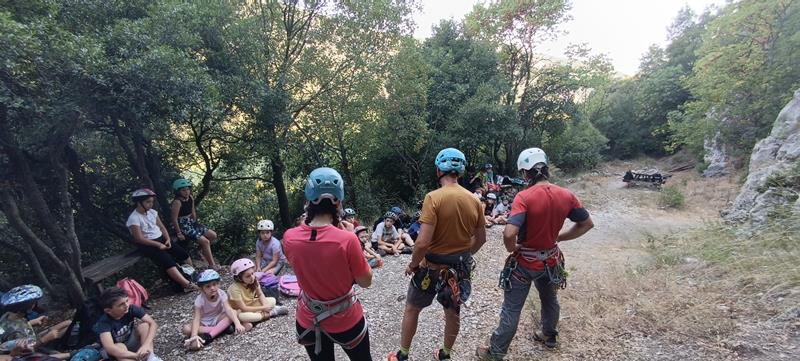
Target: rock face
column 715, row 157
column 778, row 153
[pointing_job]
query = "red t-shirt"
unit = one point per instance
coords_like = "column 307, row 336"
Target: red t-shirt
column 325, row 269
column 540, row 212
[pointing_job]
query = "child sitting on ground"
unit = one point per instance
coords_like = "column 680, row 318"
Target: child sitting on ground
column 500, row 212
column 269, row 254
column 373, row 258
column 212, row 314
column 247, row 298
column 184, row 220
column 119, row 333
column 387, row 236
column 350, row 216
column 17, row 336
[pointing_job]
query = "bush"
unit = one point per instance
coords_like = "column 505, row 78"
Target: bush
column 579, row 147
column 671, row 197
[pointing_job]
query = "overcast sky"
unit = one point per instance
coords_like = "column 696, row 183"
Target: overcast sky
column 622, row 29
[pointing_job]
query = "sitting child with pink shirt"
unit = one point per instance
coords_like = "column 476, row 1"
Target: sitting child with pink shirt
column 212, row 314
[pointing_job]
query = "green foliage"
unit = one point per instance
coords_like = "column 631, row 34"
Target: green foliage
column 746, row 72
column 671, row 197
column 580, row 146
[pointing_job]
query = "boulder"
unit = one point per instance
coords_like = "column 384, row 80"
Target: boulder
column 716, row 157
column 779, row 153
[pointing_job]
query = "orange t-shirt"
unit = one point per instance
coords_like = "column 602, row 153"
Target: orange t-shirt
column 454, row 213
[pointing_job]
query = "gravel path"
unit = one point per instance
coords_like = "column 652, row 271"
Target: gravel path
column 612, row 248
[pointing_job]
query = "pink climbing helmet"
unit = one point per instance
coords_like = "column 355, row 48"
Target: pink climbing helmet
column 241, row 265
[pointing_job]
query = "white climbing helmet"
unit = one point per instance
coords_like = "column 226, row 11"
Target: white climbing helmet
column 531, row 157
column 265, row 225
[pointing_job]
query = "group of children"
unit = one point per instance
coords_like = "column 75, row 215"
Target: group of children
column 215, row 312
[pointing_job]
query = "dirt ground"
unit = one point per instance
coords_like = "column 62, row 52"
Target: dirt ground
column 610, row 311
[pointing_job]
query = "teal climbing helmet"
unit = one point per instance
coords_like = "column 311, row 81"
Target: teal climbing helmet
column 324, row 183
column 181, row 183
column 451, row 160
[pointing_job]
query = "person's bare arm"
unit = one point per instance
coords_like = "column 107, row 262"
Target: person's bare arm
column 510, row 234
column 147, row 343
column 577, row 230
column 175, row 209
column 139, row 238
column 365, row 281
column 478, row 239
column 420, row 246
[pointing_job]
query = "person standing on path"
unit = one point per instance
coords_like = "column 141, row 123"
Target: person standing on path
column 328, row 261
column 532, row 235
column 452, row 230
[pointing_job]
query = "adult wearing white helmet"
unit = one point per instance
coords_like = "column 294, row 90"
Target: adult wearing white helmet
column 269, row 253
column 442, row 258
column 328, row 261
column 532, row 234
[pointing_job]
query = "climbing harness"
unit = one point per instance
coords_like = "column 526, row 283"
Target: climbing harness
column 556, row 271
column 324, row 309
column 453, row 285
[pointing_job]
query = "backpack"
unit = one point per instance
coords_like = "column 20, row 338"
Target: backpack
column 269, row 284
column 79, row 333
column 288, row 285
column 136, row 292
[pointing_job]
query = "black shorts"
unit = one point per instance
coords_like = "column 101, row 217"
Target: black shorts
column 421, row 293
column 165, row 259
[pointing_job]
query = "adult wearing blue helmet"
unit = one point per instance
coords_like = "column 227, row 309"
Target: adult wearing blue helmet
column 328, row 261
column 442, row 260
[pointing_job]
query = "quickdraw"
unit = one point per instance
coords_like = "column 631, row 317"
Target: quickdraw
column 508, row 270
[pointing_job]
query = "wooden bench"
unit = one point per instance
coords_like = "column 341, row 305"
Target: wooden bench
column 94, row 274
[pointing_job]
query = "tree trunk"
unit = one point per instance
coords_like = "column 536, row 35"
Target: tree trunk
column 277, row 166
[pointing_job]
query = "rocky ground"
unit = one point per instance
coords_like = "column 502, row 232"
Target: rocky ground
column 596, row 307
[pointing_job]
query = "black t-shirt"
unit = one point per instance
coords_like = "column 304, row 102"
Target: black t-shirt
column 120, row 329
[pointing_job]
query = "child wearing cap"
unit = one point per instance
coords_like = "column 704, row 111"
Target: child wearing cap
column 213, row 315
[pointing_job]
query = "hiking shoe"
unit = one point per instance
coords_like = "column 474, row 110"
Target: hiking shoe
column 548, row 341
column 206, row 338
column 230, row 330
column 397, row 356
column 440, row 355
column 483, row 354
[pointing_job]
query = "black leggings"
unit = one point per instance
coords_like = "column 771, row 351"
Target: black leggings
column 164, row 259
column 358, row 353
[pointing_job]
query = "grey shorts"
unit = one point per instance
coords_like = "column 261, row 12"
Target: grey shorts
column 421, row 293
column 132, row 344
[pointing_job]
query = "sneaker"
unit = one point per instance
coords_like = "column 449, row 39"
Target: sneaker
column 549, row 341
column 230, row 330
column 482, row 352
column 440, row 355
column 397, row 356
column 206, row 338
column 279, row 311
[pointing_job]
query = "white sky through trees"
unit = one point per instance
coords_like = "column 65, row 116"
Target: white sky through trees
column 622, row 29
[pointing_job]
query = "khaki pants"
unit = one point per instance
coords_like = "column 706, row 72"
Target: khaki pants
column 257, row 316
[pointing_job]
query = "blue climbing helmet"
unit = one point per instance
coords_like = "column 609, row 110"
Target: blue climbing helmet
column 396, row 210
column 207, row 276
column 21, row 294
column 324, row 183
column 87, row 354
column 451, row 160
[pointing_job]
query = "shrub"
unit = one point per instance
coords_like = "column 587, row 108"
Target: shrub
column 671, row 197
